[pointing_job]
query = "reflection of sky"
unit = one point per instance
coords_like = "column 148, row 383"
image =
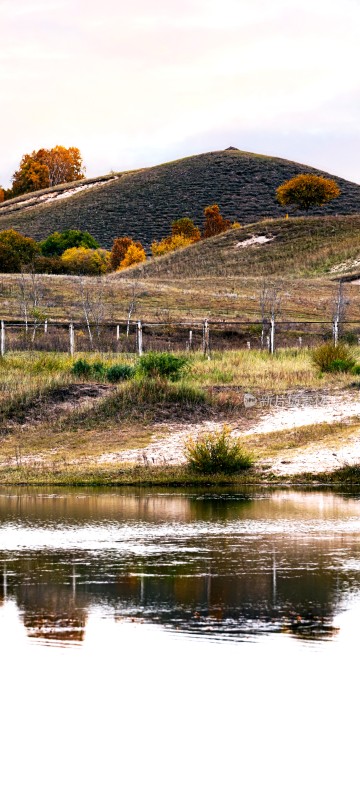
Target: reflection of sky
column 137, row 710
column 135, row 84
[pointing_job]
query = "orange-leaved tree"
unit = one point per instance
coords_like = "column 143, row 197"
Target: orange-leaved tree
column 2, row 195
column 120, row 245
column 135, row 254
column 43, row 168
column 214, row 222
column 305, row 190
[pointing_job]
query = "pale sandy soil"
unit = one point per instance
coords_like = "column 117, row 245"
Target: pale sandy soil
column 168, row 448
column 168, row 441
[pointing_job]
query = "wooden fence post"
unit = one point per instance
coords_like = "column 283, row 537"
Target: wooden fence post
column 2, row 345
column 72, row 338
column 336, row 331
column 206, row 339
column 190, row 340
column 272, row 335
column 139, row 338
column 45, row 326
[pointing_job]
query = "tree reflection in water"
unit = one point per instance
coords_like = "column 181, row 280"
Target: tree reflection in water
column 211, row 566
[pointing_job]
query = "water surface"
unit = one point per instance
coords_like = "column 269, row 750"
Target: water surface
column 179, row 642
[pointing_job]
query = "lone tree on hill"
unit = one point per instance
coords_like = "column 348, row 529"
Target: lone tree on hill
column 305, row 191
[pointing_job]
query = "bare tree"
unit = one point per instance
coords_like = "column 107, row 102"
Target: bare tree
column 91, row 295
column 339, row 313
column 31, row 296
column 270, row 305
column 135, row 291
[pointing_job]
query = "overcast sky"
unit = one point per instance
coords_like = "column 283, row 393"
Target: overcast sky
column 138, row 82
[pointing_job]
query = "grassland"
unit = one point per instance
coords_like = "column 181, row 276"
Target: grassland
column 55, row 428
column 216, row 279
column 143, row 203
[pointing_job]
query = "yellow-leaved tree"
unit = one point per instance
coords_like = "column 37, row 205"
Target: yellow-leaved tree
column 83, row 261
column 135, row 254
column 305, row 191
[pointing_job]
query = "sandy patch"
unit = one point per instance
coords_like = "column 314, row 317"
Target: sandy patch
column 255, row 240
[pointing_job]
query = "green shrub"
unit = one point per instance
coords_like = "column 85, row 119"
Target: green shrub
column 87, row 369
column 340, row 365
column 161, row 365
column 213, row 453
column 81, row 368
column 98, row 370
column 119, row 372
column 333, row 358
column 57, row 243
column 356, row 369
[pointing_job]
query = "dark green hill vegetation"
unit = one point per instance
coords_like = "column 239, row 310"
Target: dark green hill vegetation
column 144, row 203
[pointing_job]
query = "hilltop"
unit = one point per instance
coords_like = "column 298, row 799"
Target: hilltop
column 143, row 203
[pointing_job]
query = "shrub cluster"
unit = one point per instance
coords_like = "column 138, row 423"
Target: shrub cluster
column 216, row 453
column 333, row 358
column 162, row 365
column 98, row 371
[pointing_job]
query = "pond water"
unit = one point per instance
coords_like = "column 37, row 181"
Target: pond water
column 179, row 643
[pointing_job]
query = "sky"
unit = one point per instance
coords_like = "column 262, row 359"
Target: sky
column 138, row 83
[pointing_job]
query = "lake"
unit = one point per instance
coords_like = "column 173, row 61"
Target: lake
column 179, row 643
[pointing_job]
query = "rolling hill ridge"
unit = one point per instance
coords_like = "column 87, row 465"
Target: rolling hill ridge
column 143, row 203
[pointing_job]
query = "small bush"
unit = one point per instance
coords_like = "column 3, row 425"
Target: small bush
column 213, row 453
column 119, row 372
column 333, row 358
column 356, row 369
column 98, row 370
column 162, row 365
column 87, row 369
column 81, row 368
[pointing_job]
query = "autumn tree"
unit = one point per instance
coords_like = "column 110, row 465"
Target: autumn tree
column 305, row 190
column 214, row 222
column 43, row 168
column 16, row 251
column 83, row 261
column 135, row 254
column 29, row 177
column 2, row 195
column 120, row 245
column 171, row 243
column 186, row 227
column 57, row 243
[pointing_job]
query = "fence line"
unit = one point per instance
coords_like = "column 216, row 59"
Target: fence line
column 273, row 327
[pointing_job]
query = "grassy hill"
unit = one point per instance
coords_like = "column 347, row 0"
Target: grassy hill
column 143, row 203
column 294, row 247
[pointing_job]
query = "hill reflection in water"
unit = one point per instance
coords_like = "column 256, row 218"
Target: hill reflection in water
column 213, row 565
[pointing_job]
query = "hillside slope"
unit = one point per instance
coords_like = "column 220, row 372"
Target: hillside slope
column 294, row 247
column 143, row 204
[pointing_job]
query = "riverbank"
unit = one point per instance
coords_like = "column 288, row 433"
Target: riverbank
column 301, row 427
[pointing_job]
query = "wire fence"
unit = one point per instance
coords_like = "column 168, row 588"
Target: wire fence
column 201, row 335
